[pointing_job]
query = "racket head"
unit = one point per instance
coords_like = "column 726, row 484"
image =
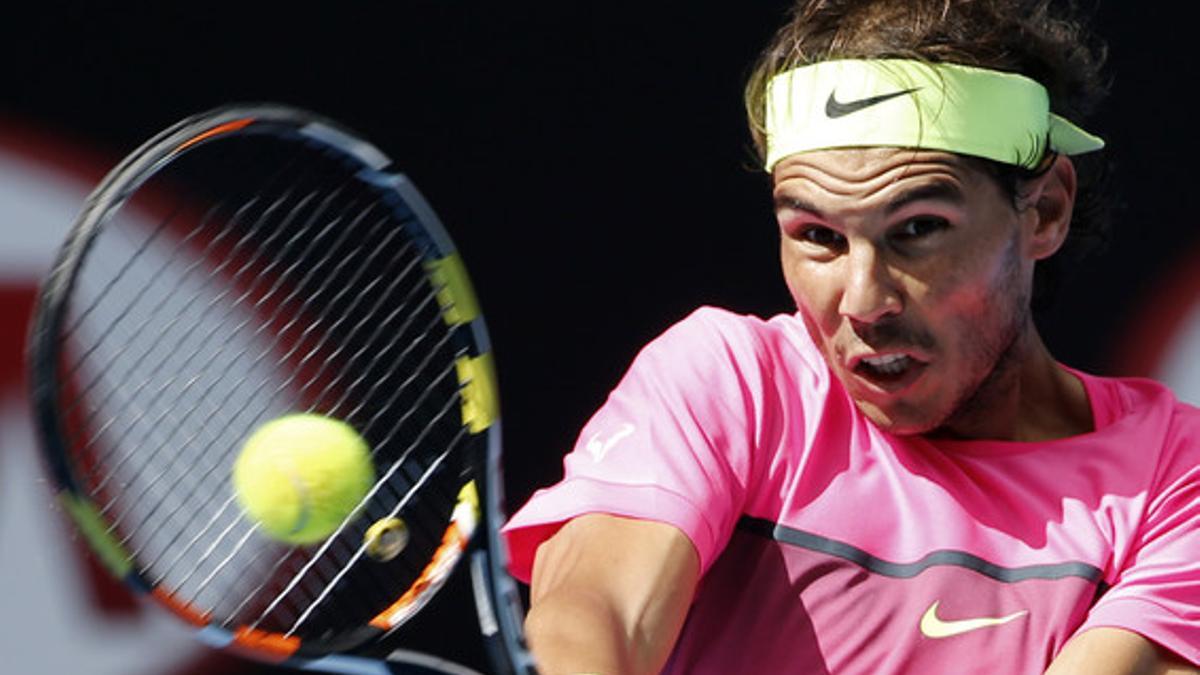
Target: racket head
column 249, row 262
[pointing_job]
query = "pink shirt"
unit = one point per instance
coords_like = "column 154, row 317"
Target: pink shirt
column 830, row 546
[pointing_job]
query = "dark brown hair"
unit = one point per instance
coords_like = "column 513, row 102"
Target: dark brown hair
column 1048, row 42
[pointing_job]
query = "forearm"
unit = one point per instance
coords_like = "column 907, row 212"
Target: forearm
column 1112, row 651
column 609, row 595
column 581, row 633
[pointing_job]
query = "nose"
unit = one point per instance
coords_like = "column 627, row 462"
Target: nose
column 870, row 292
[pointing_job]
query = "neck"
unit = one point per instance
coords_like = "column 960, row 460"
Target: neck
column 1027, row 396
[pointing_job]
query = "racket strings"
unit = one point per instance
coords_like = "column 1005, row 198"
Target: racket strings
column 97, row 407
column 258, row 392
column 269, row 579
column 175, row 371
column 188, row 369
column 330, row 584
column 130, row 339
column 149, row 378
column 385, row 481
column 182, row 553
column 207, row 554
column 143, row 406
column 319, row 581
column 416, row 483
column 381, row 484
column 129, row 264
column 280, row 387
column 407, row 268
column 167, row 261
column 411, row 377
column 204, row 395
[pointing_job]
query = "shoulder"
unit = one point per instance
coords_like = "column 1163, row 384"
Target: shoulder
column 762, row 377
column 714, row 336
column 1152, row 401
column 1151, row 420
column 1131, row 399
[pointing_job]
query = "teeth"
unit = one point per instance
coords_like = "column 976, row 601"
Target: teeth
column 889, row 364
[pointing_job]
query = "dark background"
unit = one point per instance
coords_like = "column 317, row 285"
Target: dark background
column 590, row 160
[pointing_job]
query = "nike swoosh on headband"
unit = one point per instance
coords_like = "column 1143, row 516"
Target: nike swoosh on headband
column 835, row 108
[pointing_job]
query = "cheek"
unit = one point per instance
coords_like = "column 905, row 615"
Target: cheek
column 970, row 281
column 812, row 286
column 974, row 302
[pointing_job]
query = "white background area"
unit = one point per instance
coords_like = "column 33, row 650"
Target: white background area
column 47, row 621
column 1180, row 366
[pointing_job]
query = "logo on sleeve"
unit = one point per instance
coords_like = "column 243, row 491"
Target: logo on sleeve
column 598, row 447
column 934, row 627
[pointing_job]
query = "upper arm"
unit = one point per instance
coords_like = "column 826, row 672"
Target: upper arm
column 610, row 594
column 1154, row 573
column 1114, row 651
column 676, row 442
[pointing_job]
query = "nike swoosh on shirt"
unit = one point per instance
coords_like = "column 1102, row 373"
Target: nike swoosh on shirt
column 599, row 448
column 933, row 627
column 835, row 108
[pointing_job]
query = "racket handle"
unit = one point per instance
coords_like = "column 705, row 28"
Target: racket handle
column 496, row 598
column 405, row 662
column 399, row 662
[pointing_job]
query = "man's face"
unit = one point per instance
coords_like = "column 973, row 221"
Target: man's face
column 908, row 270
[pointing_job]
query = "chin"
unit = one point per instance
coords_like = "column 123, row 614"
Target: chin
column 895, row 421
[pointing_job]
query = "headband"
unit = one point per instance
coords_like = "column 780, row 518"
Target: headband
column 912, row 104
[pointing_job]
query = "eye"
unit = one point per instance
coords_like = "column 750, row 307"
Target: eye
column 920, row 227
column 822, row 236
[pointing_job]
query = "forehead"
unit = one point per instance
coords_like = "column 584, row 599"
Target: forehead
column 866, row 173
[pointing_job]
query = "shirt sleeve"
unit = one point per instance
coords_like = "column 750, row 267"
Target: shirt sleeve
column 671, row 444
column 1157, row 591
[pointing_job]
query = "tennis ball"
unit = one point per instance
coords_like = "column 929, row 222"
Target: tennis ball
column 301, row 475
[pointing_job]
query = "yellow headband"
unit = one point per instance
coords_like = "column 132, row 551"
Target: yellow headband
column 912, row 104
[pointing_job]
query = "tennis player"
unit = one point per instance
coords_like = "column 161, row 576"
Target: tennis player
column 898, row 477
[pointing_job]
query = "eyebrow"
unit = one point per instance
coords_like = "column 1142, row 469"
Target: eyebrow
column 797, row 204
column 943, row 191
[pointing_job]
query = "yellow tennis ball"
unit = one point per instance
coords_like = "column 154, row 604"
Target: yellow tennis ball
column 301, row 475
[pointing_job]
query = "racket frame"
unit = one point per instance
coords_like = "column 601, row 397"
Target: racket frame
column 498, row 602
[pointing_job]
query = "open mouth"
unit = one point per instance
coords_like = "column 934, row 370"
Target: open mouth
column 888, row 371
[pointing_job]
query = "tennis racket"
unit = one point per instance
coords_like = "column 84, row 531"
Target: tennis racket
column 247, row 263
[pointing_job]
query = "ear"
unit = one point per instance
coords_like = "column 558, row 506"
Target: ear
column 1047, row 204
